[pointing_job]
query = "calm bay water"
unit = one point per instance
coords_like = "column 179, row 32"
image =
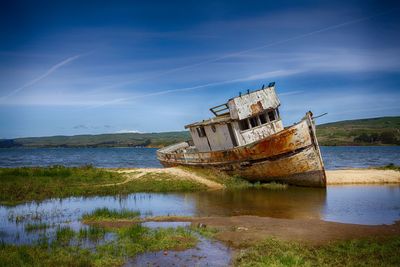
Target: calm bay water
column 346, row 204
column 334, row 157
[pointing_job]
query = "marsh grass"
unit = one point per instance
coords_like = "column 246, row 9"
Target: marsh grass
column 110, row 214
column 129, row 242
column 232, row 181
column 64, row 235
column 38, row 183
column 92, row 233
column 271, row 186
column 363, row 252
column 208, row 232
column 138, row 238
column 164, row 182
column 390, row 166
column 32, row 227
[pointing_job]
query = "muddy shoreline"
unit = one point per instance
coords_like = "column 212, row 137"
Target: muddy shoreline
column 243, row 231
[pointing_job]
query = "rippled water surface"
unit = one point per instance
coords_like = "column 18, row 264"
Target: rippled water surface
column 334, row 157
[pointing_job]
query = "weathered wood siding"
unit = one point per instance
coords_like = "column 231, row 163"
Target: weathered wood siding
column 201, row 143
column 220, row 139
column 247, row 105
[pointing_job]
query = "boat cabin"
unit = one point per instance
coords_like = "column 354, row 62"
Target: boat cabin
column 242, row 120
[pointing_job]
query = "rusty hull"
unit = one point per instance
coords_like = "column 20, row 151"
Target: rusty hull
column 291, row 156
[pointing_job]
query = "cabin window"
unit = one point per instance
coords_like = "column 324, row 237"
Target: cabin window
column 201, row 132
column 253, row 122
column 243, row 125
column 271, row 115
column 263, row 118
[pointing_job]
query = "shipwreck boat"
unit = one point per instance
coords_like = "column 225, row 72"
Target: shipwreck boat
column 247, row 138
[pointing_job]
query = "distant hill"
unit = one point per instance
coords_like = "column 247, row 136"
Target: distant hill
column 100, row 140
column 375, row 131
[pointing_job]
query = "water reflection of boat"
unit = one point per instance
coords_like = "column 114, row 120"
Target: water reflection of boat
column 261, row 202
column 246, row 137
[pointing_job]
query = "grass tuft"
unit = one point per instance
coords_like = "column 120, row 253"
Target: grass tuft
column 390, row 166
column 38, row 183
column 64, row 235
column 110, row 214
column 92, row 233
column 32, row 227
column 363, row 252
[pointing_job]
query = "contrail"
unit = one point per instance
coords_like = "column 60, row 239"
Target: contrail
column 41, row 77
column 258, row 76
column 332, row 27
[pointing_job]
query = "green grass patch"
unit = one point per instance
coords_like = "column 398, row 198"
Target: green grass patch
column 271, row 186
column 64, row 235
column 232, row 181
column 138, row 239
column 38, row 183
column 390, row 166
column 208, row 232
column 164, row 182
column 92, row 233
column 32, row 227
column 128, row 243
column 110, row 214
column 364, row 252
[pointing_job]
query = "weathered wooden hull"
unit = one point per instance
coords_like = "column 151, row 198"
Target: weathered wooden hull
column 291, row 156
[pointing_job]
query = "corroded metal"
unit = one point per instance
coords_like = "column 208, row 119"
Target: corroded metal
column 291, row 155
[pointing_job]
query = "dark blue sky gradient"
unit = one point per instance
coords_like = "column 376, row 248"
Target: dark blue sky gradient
column 76, row 67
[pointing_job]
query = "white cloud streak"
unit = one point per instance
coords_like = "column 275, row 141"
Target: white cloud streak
column 259, row 76
column 41, row 77
column 241, row 52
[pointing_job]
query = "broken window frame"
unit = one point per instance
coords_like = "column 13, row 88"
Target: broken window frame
column 263, row 118
column 244, row 123
column 254, row 122
column 269, row 113
column 201, row 132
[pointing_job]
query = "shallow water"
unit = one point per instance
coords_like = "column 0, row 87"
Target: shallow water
column 369, row 205
column 206, row 253
column 334, row 157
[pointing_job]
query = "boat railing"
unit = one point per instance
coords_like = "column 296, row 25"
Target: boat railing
column 174, row 148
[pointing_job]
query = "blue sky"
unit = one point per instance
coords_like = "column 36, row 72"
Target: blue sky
column 78, row 67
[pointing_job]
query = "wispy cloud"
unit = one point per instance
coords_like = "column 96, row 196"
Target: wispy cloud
column 259, row 76
column 251, row 49
column 41, row 77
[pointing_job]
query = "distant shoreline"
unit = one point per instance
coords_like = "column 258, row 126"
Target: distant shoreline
column 384, row 131
column 158, row 147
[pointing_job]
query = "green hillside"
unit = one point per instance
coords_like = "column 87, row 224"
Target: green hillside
column 376, row 131
column 101, row 140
